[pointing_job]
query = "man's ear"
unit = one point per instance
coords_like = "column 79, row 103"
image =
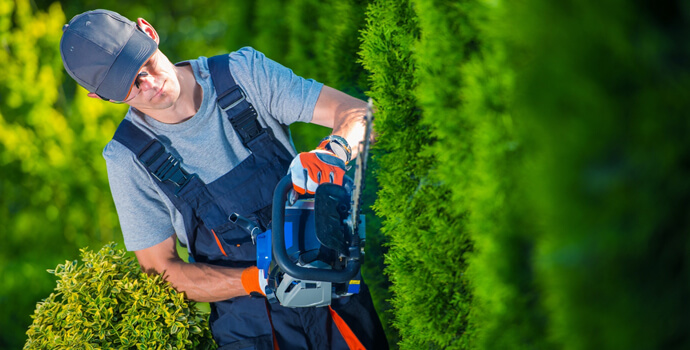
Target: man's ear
column 148, row 29
column 93, row 95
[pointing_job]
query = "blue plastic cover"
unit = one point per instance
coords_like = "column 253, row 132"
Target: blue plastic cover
column 264, row 255
column 288, row 234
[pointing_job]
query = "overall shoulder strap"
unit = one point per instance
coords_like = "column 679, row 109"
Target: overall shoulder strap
column 233, row 101
column 186, row 191
column 152, row 154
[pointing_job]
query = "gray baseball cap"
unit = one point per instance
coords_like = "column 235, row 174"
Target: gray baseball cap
column 103, row 51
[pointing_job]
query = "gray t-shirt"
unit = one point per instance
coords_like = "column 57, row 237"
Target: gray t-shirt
column 206, row 144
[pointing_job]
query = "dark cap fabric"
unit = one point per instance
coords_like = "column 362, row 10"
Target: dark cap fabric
column 103, row 51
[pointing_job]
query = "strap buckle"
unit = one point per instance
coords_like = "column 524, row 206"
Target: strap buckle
column 169, row 170
column 228, row 93
column 247, row 125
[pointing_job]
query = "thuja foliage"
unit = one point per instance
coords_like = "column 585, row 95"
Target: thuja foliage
column 564, row 145
column 427, row 239
column 107, row 302
column 607, row 110
column 508, row 311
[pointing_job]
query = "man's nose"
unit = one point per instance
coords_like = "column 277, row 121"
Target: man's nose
column 145, row 81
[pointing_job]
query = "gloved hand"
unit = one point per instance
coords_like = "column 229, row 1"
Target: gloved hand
column 310, row 169
column 253, row 281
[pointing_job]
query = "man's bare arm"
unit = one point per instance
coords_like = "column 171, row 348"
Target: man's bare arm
column 342, row 112
column 200, row 282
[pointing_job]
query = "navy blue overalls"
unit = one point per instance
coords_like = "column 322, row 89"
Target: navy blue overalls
column 248, row 322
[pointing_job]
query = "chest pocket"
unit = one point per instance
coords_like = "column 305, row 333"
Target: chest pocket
column 247, row 190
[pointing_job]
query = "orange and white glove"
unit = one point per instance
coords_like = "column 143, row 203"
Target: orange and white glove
column 310, row 169
column 253, row 281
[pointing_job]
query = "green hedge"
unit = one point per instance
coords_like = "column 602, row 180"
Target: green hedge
column 508, row 311
column 605, row 97
column 429, row 300
column 549, row 138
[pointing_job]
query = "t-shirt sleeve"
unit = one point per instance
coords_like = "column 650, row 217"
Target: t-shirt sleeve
column 286, row 96
column 145, row 219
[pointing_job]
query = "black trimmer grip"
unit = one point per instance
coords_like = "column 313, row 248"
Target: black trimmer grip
column 280, row 253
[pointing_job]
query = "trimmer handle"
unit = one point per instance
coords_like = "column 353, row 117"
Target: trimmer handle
column 280, row 252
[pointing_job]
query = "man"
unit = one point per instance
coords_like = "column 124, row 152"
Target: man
column 187, row 156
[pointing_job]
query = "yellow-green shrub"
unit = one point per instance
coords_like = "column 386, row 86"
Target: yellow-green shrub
column 108, row 302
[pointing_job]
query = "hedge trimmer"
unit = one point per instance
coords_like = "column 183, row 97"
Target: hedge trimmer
column 313, row 252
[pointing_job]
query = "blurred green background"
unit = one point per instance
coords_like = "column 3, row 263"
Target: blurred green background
column 529, row 182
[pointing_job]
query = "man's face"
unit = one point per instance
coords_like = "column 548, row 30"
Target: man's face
column 156, row 86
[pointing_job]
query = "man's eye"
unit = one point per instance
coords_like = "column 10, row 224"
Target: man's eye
column 140, row 75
